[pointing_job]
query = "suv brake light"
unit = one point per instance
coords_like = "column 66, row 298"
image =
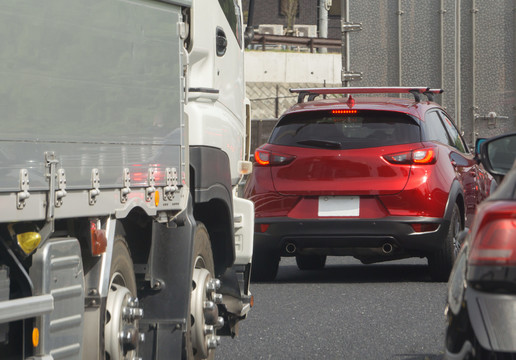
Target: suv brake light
column 419, row 157
column 267, row 158
column 494, row 242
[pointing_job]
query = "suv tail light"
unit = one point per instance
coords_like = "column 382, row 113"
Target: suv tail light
column 494, row 241
column 418, row 157
column 268, row 158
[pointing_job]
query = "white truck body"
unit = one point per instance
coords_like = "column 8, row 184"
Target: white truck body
column 124, row 138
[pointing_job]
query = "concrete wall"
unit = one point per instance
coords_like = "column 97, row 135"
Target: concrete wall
column 292, row 67
column 270, row 75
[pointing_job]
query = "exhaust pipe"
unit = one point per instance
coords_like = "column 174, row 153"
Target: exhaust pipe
column 290, row 248
column 387, row 248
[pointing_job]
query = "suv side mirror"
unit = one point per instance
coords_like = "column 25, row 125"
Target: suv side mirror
column 497, row 154
column 478, row 144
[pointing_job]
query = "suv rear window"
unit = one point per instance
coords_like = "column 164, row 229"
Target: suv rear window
column 357, row 130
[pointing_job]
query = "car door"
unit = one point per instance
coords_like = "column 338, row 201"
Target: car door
column 465, row 166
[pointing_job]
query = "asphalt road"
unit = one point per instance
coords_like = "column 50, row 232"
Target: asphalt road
column 346, row 311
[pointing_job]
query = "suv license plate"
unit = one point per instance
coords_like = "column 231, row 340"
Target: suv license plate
column 339, row 206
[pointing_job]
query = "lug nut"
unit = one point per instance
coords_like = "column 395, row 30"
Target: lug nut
column 213, row 285
column 129, row 338
column 209, row 330
column 220, row 322
column 213, row 342
column 130, row 313
column 217, row 298
column 209, row 305
column 217, row 283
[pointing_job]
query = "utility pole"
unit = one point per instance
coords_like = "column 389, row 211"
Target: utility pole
column 323, row 22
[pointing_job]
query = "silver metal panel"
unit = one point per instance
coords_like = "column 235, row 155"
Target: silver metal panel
column 76, row 204
column 420, row 50
column 466, row 47
column 57, row 270
column 25, row 308
column 494, row 65
column 187, row 3
column 97, row 82
column 467, row 87
column 448, row 70
column 374, row 48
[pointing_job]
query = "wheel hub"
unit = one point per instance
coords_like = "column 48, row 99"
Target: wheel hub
column 121, row 331
column 205, row 313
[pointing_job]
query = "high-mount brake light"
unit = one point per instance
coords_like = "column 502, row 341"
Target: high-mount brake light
column 494, row 243
column 417, row 157
column 344, row 112
column 267, row 158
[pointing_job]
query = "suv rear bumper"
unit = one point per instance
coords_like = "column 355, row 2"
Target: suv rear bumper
column 370, row 240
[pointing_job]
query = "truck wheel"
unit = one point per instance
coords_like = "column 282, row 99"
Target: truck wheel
column 441, row 262
column 201, row 338
column 310, row 262
column 265, row 266
column 122, row 307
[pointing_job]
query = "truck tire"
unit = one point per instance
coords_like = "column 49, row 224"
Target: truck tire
column 121, row 335
column 200, row 338
column 310, row 262
column 265, row 266
column 441, row 262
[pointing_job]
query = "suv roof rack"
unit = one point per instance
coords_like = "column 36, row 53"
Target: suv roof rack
column 312, row 93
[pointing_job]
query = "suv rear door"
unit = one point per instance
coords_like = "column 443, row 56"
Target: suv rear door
column 340, row 152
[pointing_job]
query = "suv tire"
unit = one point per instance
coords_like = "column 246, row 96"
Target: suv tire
column 441, row 262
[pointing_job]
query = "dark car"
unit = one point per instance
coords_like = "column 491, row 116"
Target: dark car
column 481, row 309
column 377, row 178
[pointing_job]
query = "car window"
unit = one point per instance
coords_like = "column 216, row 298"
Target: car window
column 434, row 129
column 354, row 130
column 457, row 141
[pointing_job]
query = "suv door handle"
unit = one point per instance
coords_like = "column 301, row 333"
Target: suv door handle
column 221, row 42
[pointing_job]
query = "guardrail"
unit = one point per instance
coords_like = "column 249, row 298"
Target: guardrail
column 308, row 42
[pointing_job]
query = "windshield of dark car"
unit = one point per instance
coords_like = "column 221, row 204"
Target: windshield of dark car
column 361, row 129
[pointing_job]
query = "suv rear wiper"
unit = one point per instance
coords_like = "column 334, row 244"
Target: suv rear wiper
column 321, row 143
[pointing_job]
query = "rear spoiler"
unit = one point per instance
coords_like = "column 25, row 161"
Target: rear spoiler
column 312, row 93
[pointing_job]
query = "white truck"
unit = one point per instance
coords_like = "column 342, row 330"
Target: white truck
column 125, row 134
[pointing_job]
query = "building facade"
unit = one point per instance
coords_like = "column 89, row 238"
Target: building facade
column 272, row 12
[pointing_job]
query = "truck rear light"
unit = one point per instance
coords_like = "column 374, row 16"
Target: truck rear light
column 35, row 337
column 28, row 241
column 268, row 158
column 494, row 241
column 98, row 239
column 419, row 157
column 26, row 236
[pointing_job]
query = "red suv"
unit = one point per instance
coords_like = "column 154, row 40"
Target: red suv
column 377, row 178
